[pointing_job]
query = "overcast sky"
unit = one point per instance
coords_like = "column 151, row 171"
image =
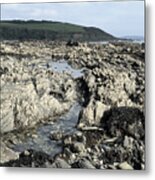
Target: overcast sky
column 117, row 18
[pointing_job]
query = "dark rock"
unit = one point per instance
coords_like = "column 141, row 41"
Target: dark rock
column 60, row 163
column 30, row 159
column 72, row 43
column 124, row 121
column 84, row 164
column 3, row 70
column 143, row 45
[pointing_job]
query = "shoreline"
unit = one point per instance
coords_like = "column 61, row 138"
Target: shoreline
column 111, row 91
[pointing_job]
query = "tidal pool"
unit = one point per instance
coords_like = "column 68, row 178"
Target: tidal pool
column 63, row 66
column 65, row 124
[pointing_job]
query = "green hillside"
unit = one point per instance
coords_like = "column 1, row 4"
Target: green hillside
column 40, row 30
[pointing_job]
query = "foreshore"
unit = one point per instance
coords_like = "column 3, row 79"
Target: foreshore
column 95, row 119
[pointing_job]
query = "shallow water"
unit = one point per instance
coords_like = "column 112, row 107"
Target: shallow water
column 107, row 42
column 63, row 66
column 65, row 124
column 99, row 42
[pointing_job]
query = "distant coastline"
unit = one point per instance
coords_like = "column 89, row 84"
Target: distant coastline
column 50, row 30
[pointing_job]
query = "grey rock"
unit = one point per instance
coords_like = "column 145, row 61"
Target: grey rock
column 60, row 163
column 56, row 136
column 7, row 154
column 85, row 164
column 78, row 147
column 67, row 140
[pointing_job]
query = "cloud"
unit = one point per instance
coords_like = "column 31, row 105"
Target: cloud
column 43, row 14
column 28, row 11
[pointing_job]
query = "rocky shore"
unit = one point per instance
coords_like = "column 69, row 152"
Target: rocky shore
column 106, row 130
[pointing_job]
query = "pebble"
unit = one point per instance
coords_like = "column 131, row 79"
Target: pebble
column 125, row 166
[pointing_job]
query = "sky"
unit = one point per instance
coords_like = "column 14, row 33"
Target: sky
column 124, row 18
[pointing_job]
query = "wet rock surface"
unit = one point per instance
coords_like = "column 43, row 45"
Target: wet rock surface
column 51, row 118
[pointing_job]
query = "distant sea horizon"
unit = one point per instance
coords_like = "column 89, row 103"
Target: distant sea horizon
column 133, row 37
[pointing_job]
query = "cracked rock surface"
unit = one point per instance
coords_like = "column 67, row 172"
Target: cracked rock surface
column 106, row 130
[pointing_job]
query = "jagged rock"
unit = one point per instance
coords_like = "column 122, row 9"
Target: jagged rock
column 26, row 94
column 7, row 154
column 112, row 119
column 99, row 110
column 87, row 115
column 92, row 114
column 7, row 117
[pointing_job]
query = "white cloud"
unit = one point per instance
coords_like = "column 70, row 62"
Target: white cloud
column 28, row 11
column 42, row 13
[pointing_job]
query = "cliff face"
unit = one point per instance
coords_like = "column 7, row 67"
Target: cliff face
column 51, row 31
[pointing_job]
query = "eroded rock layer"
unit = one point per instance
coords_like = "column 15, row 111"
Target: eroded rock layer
column 110, row 132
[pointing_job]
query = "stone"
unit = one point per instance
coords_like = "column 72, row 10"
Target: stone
column 128, row 142
column 72, row 43
column 85, row 164
column 31, row 158
column 87, row 115
column 56, row 136
column 7, row 117
column 60, row 163
column 26, row 100
column 100, row 108
column 125, row 166
column 7, row 154
column 92, row 114
column 78, row 147
column 123, row 121
column 67, row 141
